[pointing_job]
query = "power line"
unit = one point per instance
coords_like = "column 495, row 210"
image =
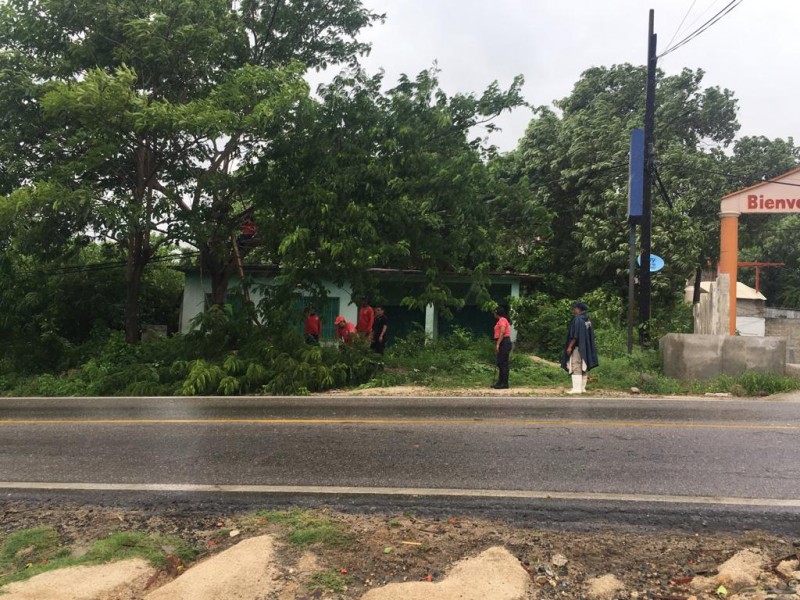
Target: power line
column 704, row 27
column 674, row 35
column 110, row 265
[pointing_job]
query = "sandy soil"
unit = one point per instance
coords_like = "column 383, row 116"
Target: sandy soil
column 121, row 580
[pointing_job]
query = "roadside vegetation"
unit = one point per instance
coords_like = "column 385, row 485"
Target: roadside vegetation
column 305, row 527
column 29, row 552
column 227, row 354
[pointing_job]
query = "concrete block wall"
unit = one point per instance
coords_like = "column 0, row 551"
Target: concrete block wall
column 692, row 356
column 788, row 328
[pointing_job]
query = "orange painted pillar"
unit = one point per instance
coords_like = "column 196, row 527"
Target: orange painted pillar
column 729, row 256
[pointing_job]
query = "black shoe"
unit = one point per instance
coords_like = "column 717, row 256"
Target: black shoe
column 498, row 386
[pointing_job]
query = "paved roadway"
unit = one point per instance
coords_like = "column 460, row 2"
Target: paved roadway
column 727, row 463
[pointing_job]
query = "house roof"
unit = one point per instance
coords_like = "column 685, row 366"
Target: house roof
column 272, row 269
column 743, row 292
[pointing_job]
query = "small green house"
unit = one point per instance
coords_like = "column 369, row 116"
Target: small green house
column 393, row 286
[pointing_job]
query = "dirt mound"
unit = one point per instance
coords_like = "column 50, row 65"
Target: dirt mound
column 114, row 581
column 494, row 574
column 244, row 572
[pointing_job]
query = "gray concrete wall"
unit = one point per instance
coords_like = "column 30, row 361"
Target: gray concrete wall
column 786, row 323
column 692, row 356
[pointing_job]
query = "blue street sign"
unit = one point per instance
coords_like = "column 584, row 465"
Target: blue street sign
column 636, row 176
column 656, row 263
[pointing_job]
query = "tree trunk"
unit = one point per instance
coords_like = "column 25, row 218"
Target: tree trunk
column 134, row 268
column 219, row 269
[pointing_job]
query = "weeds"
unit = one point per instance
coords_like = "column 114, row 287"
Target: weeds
column 29, row 552
column 328, row 581
column 305, row 528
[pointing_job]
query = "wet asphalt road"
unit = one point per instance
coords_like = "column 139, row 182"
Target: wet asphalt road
column 641, row 448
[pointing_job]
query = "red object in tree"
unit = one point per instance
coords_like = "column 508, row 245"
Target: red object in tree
column 248, row 228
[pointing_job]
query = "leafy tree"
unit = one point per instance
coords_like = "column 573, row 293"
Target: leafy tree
column 575, row 159
column 150, row 108
column 383, row 179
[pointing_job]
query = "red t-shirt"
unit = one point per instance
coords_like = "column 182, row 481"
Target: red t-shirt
column 248, row 228
column 366, row 318
column 313, row 326
column 502, row 321
column 346, row 333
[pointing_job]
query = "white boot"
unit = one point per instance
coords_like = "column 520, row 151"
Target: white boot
column 577, row 383
column 584, row 381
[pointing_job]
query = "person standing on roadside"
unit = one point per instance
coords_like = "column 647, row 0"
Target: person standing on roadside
column 580, row 352
column 502, row 342
column 379, row 329
column 366, row 319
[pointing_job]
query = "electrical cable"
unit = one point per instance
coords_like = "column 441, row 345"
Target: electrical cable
column 105, row 266
column 674, row 35
column 704, row 27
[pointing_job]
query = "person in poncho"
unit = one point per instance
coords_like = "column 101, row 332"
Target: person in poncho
column 580, row 352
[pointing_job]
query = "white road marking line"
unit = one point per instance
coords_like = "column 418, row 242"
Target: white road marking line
column 392, row 491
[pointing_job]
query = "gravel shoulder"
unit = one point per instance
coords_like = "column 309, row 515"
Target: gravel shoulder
column 328, row 554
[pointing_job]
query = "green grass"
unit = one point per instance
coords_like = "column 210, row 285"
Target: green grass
column 328, row 581
column 305, row 528
column 459, row 361
column 119, row 546
column 29, row 552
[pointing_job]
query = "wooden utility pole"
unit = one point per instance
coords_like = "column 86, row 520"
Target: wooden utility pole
column 647, row 204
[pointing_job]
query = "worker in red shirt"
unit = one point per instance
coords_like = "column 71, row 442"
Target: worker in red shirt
column 313, row 326
column 247, row 232
column 345, row 330
column 502, row 347
column 366, row 319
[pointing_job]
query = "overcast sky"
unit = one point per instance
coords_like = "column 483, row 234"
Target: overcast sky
column 753, row 51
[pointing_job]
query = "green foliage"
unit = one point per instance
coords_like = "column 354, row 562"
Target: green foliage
column 186, row 365
column 29, row 552
column 29, row 546
column 375, row 178
column 328, row 581
column 304, row 528
column 542, row 323
column 133, row 544
column 763, row 384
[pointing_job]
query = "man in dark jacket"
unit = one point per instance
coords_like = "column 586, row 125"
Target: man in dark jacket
column 580, row 352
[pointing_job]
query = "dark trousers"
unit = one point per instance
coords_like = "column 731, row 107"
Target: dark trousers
column 503, row 360
column 378, row 346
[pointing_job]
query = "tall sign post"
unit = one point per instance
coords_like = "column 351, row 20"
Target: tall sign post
column 635, row 204
column 647, row 198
